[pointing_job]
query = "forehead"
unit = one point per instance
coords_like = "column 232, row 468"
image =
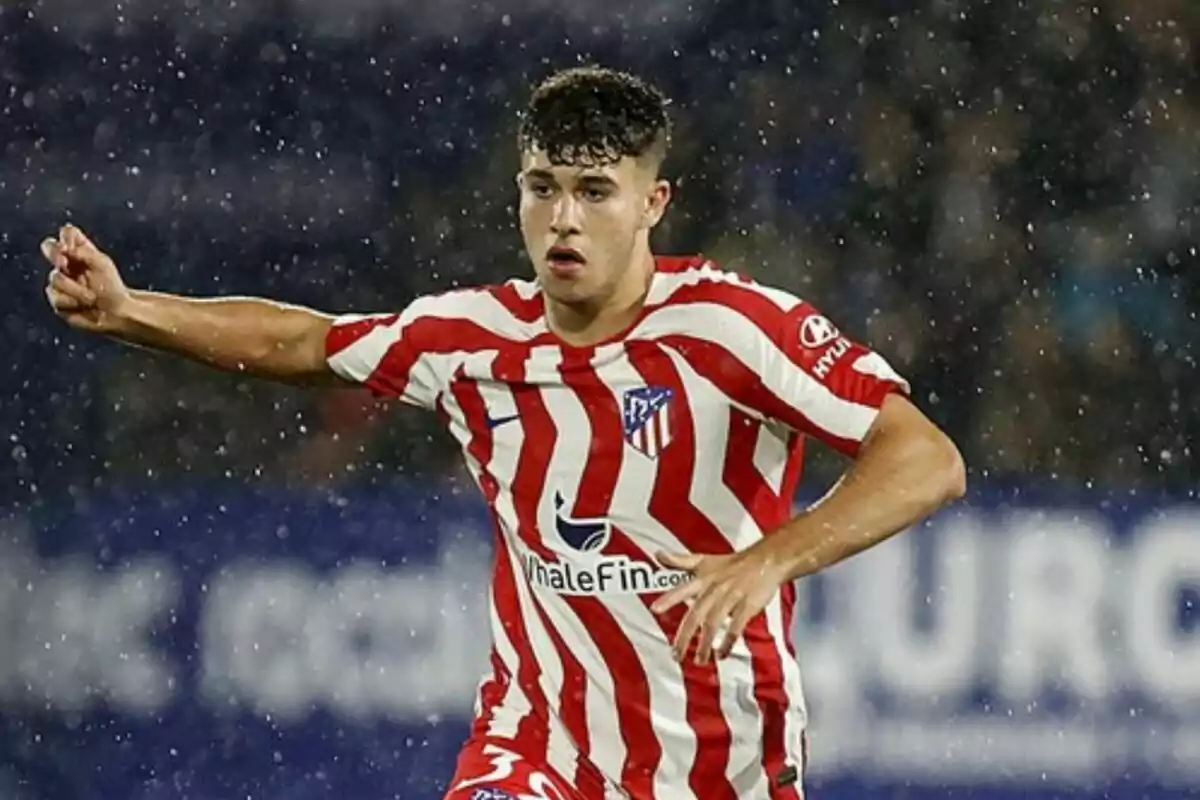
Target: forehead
column 623, row 170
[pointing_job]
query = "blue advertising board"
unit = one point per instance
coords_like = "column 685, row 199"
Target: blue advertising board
column 228, row 644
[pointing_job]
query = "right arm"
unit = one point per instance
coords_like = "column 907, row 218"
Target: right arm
column 408, row 355
column 256, row 337
column 241, row 335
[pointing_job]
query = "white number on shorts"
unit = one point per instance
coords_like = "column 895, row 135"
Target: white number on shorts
column 542, row 788
column 502, row 766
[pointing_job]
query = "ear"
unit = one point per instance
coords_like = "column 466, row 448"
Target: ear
column 656, row 203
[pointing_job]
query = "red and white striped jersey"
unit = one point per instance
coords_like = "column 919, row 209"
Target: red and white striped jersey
column 682, row 434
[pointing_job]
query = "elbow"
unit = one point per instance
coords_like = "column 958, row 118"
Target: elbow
column 948, row 470
column 931, row 461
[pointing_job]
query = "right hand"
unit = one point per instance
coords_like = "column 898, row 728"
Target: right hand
column 84, row 288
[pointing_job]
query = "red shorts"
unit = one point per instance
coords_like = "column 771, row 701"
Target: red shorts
column 488, row 769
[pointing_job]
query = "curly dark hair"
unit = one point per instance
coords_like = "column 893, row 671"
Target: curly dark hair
column 594, row 116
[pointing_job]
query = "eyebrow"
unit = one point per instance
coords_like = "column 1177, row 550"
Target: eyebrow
column 548, row 176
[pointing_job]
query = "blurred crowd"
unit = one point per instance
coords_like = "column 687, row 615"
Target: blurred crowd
column 1000, row 197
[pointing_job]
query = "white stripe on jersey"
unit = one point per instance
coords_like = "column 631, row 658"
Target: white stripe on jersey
column 560, row 750
column 715, row 500
column 431, row 371
column 723, row 508
column 482, row 308
column 514, row 705
column 668, row 696
column 770, row 459
column 564, row 473
column 456, row 424
column 624, row 622
column 771, row 453
column 478, row 306
column 733, row 332
column 358, row 361
column 796, row 719
column 667, row 283
column 526, row 290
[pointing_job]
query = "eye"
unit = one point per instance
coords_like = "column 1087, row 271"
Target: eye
column 540, row 189
column 595, row 194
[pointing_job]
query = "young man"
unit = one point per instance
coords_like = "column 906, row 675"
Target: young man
column 635, row 424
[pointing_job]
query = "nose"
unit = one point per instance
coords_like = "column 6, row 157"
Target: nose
column 567, row 217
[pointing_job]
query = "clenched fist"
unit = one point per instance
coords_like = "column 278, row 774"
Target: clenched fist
column 84, row 287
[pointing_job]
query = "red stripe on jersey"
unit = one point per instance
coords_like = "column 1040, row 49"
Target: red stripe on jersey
column 479, row 448
column 772, row 697
column 769, row 507
column 671, row 505
column 743, row 298
column 510, row 363
column 670, row 502
column 576, row 721
column 793, row 471
column 741, row 383
column 423, row 336
column 619, row 656
column 776, row 324
column 672, row 264
column 596, row 487
column 702, row 690
column 526, row 309
column 787, row 601
column 532, row 731
column 572, row 703
column 769, row 510
column 533, row 308
column 533, row 463
column 491, row 694
column 339, row 337
column 791, row 479
column 510, row 367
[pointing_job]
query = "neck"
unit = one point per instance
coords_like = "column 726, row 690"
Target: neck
column 587, row 324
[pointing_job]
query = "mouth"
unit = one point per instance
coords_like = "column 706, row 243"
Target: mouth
column 565, row 260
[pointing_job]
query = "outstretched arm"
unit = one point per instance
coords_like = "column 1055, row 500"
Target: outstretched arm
column 247, row 335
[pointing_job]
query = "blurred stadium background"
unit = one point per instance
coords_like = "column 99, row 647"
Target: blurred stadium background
column 214, row 589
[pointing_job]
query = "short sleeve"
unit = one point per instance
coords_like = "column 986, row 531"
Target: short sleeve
column 820, row 381
column 393, row 355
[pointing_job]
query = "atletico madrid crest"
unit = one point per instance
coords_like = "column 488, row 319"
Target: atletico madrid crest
column 646, row 414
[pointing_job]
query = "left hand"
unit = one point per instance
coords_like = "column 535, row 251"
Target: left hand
column 725, row 593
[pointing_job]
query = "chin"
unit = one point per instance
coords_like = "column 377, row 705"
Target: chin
column 566, row 292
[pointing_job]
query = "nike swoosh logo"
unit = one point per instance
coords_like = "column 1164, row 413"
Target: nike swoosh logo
column 496, row 422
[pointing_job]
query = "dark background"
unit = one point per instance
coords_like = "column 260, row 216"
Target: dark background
column 1000, row 197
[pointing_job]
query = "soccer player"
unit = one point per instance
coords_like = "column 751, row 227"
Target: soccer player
column 635, row 423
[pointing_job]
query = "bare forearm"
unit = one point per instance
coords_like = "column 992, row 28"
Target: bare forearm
column 245, row 335
column 893, row 485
